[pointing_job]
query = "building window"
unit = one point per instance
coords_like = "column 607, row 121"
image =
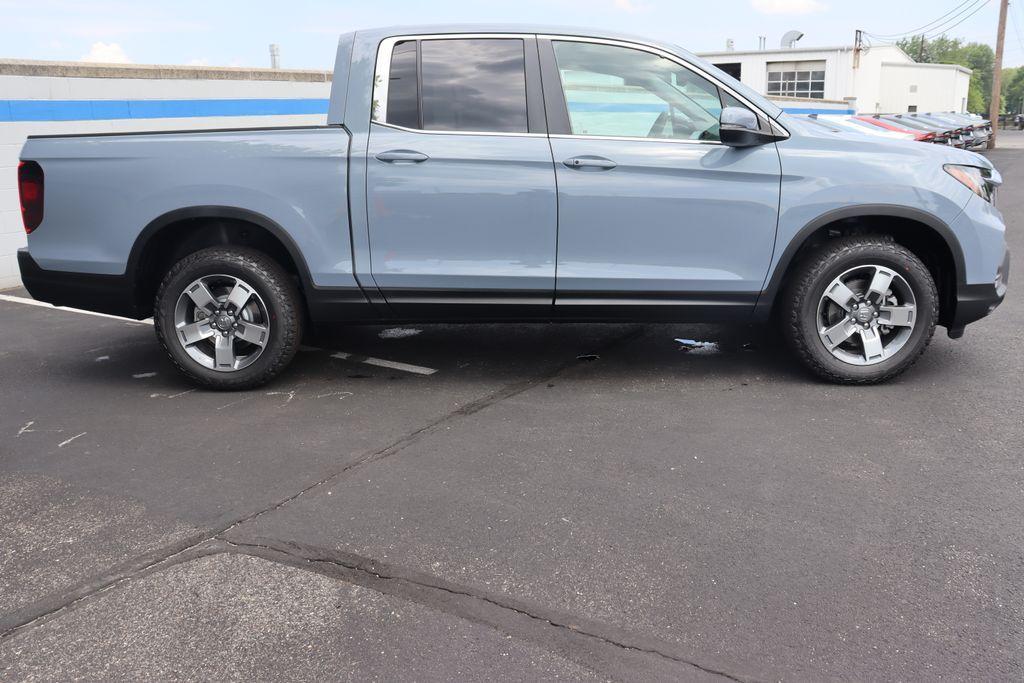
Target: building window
column 796, row 79
column 913, row 88
column 911, row 109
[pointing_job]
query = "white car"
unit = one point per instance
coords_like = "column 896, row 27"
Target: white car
column 851, row 124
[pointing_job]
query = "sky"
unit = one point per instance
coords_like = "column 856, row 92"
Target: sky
column 237, row 33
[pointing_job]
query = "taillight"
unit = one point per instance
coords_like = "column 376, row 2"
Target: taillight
column 30, row 190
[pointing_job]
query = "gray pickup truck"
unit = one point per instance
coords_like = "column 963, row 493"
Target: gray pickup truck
column 496, row 173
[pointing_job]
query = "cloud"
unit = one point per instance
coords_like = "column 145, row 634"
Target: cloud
column 111, row 53
column 629, row 5
column 787, row 6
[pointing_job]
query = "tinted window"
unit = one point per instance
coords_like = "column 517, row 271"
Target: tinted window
column 622, row 92
column 473, row 85
column 403, row 105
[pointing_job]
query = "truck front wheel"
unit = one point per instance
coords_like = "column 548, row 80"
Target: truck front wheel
column 860, row 309
column 229, row 318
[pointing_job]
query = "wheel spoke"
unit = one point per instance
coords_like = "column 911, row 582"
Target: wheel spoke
column 252, row 333
column 880, row 283
column 873, row 350
column 841, row 294
column 225, row 352
column 239, row 295
column 838, row 333
column 201, row 296
column 194, row 332
column 897, row 316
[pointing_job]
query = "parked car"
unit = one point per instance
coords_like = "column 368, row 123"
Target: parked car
column 502, row 174
column 946, row 131
column 851, row 124
column 981, row 132
column 965, row 131
column 919, row 135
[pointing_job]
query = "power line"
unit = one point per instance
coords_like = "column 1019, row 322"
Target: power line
column 1016, row 26
column 950, row 28
column 926, row 26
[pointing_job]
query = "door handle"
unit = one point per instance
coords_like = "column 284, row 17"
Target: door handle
column 402, row 155
column 590, row 163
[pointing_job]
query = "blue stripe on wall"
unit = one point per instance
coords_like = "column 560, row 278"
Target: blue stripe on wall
column 92, row 110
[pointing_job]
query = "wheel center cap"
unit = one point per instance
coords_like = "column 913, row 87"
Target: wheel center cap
column 863, row 313
column 223, row 322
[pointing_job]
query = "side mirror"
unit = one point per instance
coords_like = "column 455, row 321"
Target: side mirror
column 738, row 127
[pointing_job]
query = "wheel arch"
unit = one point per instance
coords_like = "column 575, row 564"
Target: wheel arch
column 930, row 238
column 180, row 232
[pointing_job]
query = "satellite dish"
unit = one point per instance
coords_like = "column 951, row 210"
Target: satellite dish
column 790, row 38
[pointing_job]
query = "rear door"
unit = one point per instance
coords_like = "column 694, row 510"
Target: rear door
column 460, row 181
column 656, row 216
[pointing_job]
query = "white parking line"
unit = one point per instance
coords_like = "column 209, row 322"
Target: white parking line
column 41, row 304
column 62, row 444
column 381, row 362
column 368, row 360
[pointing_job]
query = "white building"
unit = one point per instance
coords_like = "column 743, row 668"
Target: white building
column 882, row 79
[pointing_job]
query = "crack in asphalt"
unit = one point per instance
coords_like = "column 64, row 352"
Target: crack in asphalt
column 142, row 565
column 45, row 608
column 368, row 566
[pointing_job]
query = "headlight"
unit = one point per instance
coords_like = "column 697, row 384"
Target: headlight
column 976, row 179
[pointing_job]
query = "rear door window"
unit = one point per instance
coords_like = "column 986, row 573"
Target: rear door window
column 465, row 84
column 403, row 86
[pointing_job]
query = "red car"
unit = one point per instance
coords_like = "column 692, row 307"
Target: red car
column 919, row 135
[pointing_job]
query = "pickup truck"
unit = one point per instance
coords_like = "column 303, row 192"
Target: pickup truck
column 496, row 173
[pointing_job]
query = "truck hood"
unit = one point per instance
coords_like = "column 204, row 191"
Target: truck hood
column 942, row 154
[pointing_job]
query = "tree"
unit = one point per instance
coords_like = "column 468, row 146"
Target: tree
column 1013, row 89
column 978, row 57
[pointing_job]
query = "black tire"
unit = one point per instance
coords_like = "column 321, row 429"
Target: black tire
column 273, row 285
column 818, row 269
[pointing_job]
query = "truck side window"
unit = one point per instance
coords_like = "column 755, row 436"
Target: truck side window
column 465, row 84
column 403, row 95
column 474, row 85
column 623, row 92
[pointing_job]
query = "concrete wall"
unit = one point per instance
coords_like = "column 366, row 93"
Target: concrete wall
column 45, row 98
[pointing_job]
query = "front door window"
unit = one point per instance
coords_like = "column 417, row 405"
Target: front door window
column 622, row 92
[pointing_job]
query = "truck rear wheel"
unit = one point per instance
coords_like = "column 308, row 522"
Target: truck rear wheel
column 229, row 318
column 860, row 309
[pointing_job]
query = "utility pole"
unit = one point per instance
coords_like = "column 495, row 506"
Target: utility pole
column 920, row 49
column 997, row 74
column 858, row 46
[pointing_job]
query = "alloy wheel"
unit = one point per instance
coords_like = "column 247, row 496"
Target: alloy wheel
column 222, row 323
column 866, row 315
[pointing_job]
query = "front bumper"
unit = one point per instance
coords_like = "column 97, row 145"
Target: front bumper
column 111, row 294
column 974, row 302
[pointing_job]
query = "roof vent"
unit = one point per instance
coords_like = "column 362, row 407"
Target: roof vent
column 790, row 38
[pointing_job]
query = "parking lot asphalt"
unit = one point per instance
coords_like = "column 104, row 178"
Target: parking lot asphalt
column 512, row 502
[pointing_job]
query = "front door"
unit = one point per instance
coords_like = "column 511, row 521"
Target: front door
column 460, row 181
column 655, row 215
